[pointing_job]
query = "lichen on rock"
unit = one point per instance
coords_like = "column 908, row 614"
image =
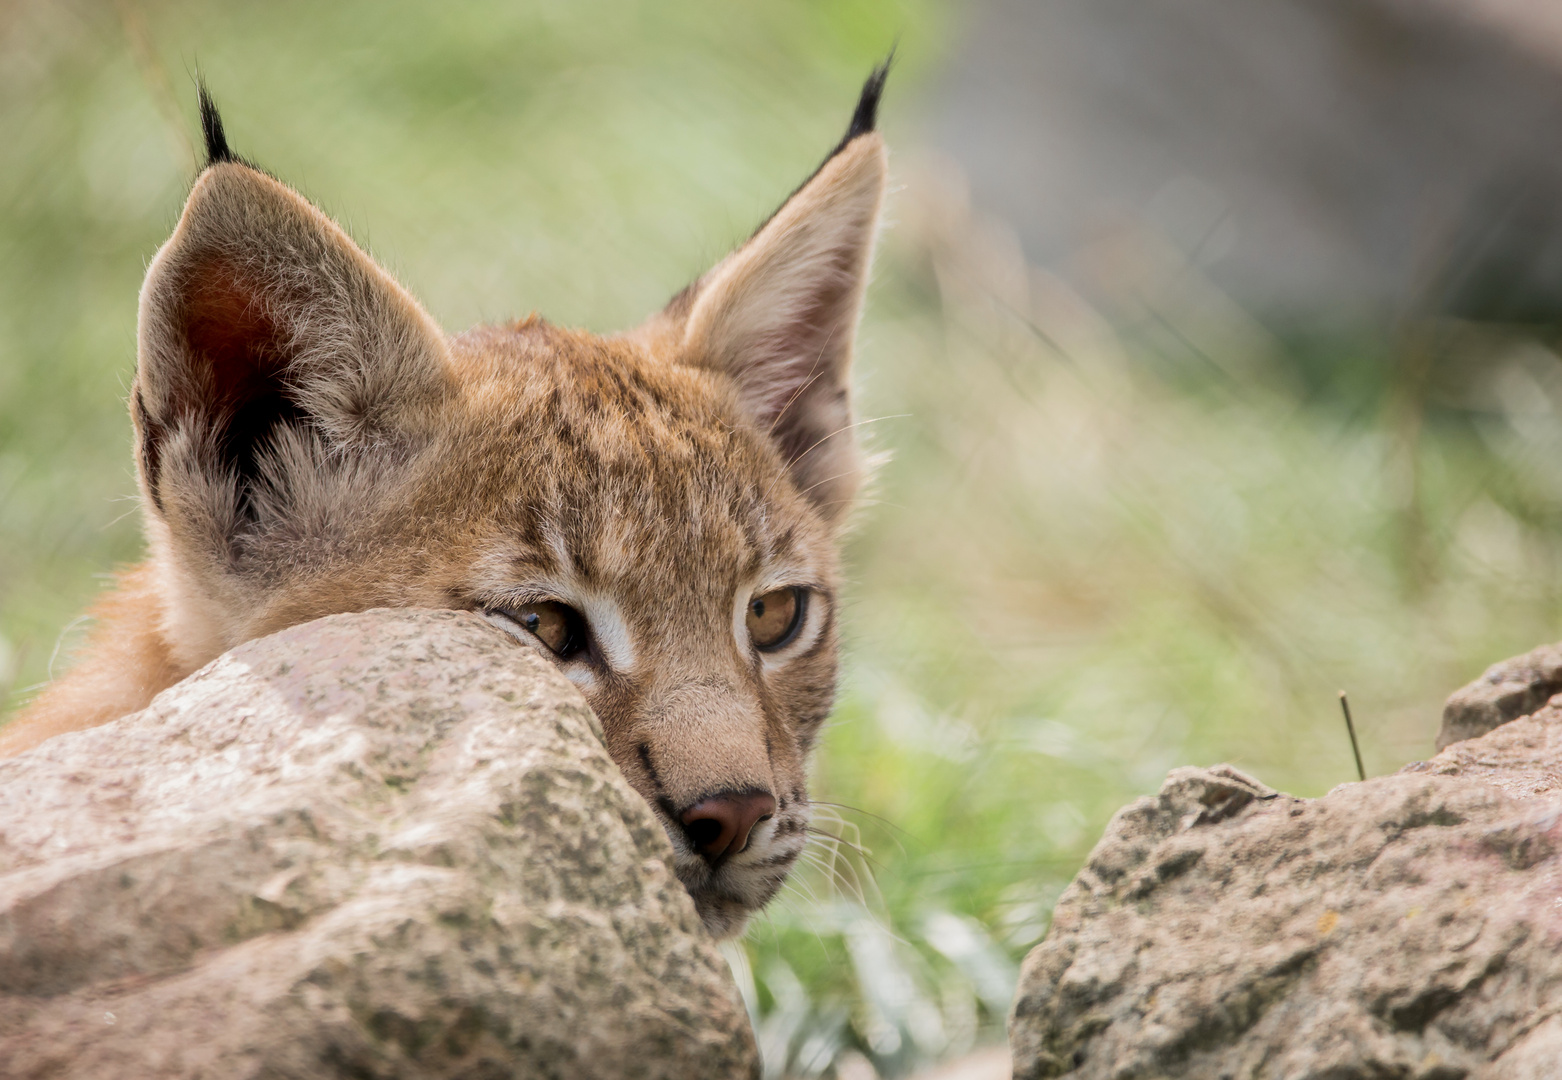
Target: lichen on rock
column 1407, row 926
column 389, row 844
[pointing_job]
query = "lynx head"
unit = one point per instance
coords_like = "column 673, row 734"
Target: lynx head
column 657, row 512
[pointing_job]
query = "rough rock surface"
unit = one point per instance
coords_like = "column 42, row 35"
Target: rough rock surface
column 378, row 845
column 1507, row 691
column 1406, row 927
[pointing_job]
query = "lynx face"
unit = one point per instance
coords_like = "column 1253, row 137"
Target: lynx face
column 656, row 512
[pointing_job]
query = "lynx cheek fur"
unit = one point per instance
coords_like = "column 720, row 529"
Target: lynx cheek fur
column 656, row 511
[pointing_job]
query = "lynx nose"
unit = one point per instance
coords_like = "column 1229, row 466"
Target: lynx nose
column 719, row 826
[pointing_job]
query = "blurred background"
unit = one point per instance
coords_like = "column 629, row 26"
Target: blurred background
column 1211, row 349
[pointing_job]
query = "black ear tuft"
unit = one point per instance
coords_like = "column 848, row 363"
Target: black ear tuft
column 867, row 111
column 864, row 117
column 211, row 127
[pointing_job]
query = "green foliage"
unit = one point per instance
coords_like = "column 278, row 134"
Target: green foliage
column 1110, row 537
column 1098, row 554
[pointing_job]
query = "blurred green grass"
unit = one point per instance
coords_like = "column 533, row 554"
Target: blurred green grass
column 1109, row 538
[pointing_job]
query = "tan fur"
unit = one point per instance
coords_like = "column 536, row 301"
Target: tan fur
column 309, row 442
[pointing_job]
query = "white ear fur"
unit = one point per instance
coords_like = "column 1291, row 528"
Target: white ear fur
column 258, row 314
column 779, row 316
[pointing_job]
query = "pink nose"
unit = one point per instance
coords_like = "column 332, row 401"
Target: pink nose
column 719, row 826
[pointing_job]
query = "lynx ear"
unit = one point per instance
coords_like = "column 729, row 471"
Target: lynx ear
column 779, row 314
column 270, row 342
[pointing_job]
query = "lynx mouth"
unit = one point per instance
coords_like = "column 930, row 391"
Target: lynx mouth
column 727, row 894
column 724, row 906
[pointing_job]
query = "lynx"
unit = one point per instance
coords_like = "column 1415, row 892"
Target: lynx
column 658, row 511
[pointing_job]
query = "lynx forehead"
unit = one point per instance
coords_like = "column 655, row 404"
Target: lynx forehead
column 657, row 511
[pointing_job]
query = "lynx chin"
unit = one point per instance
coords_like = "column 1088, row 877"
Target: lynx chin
column 657, row 511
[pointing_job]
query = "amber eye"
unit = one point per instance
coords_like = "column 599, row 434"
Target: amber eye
column 774, row 619
column 556, row 625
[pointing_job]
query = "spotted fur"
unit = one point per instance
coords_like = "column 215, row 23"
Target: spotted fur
column 308, row 441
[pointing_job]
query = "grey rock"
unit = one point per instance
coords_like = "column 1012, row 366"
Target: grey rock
column 1405, row 927
column 380, row 845
column 1507, row 691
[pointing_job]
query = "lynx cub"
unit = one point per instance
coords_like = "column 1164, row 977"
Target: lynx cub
column 656, row 511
